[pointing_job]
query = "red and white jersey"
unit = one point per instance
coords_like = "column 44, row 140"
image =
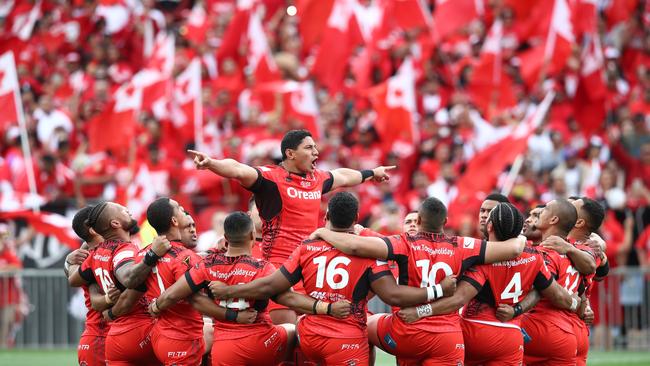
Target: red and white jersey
column 289, row 206
column 233, row 271
column 425, row 259
column 100, row 267
column 180, row 321
column 506, row 282
column 331, row 276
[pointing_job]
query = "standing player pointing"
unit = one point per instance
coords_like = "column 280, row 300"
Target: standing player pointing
column 288, row 195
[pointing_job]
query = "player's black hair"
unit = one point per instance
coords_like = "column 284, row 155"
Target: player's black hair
column 497, row 197
column 99, row 218
column 433, row 214
column 79, row 223
column 506, row 220
column 342, row 210
column 594, row 213
column 159, row 215
column 291, row 140
column 237, row 228
column 567, row 213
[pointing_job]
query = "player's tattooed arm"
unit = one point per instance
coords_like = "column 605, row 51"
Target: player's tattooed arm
column 583, row 261
column 308, row 305
column 206, row 306
column 345, row 177
column 561, row 298
column 506, row 312
column 360, row 246
column 100, row 301
column 497, row 251
column 228, row 168
column 123, row 305
column 132, row 275
column 261, row 288
column 464, row 293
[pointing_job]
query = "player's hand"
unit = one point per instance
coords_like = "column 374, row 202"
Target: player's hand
column 106, row 317
column 448, row 285
column 580, row 307
column 316, row 234
column 358, row 229
column 201, row 160
column 151, row 312
column 113, row 293
column 160, row 245
column 218, row 290
column 557, row 244
column 588, row 315
column 341, row 309
column 246, row 316
column 77, row 256
column 505, row 313
column 597, row 244
column 409, row 314
column 380, row 174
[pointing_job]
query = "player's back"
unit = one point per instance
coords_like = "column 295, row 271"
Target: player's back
column 180, row 320
column 100, row 267
column 331, row 276
column 289, row 206
column 232, row 271
column 425, row 259
column 507, row 282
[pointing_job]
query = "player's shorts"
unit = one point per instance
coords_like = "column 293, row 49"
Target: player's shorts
column 582, row 338
column 258, row 348
column 333, row 351
column 407, row 342
column 91, row 350
column 171, row 351
column 549, row 344
column 131, row 347
column 492, row 345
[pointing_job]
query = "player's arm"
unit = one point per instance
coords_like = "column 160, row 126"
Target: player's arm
column 397, row 295
column 506, row 312
column 582, row 261
column 76, row 278
column 227, row 168
column 307, row 305
column 206, row 306
column 75, row 258
column 360, row 246
column 175, row 293
column 261, row 288
column 560, row 297
column 132, row 275
column 464, row 293
column 123, row 305
column 497, row 251
column 100, row 301
column 345, row 177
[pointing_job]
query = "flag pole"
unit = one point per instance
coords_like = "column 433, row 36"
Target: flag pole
column 198, row 110
column 512, row 175
column 24, row 139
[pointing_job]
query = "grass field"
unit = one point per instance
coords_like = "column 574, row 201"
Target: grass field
column 69, row 357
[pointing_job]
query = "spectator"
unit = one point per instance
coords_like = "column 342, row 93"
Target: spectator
column 10, row 293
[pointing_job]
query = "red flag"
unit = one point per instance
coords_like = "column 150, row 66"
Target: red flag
column 8, row 92
column 409, row 14
column 313, row 16
column 589, row 102
column 197, row 24
column 302, row 106
column 395, row 104
column 231, row 39
column 22, row 19
column 619, row 11
column 451, row 15
column 555, row 51
column 260, row 60
column 186, row 113
column 341, row 35
column 156, row 78
column 585, row 16
column 48, row 224
column 483, row 169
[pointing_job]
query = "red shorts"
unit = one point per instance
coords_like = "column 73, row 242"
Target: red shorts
column 582, row 338
column 171, row 351
column 492, row 345
column 131, row 347
column 91, row 350
column 259, row 348
column 333, row 351
column 549, row 344
column 407, row 342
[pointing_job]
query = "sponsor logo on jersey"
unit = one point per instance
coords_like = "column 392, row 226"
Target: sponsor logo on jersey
column 295, row 193
column 350, row 346
column 305, row 183
column 270, row 340
column 176, row 354
column 468, row 243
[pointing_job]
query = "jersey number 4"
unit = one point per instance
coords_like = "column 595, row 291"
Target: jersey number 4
column 328, row 273
column 513, row 289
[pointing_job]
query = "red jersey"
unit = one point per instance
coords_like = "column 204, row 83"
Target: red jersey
column 506, row 282
column 96, row 326
column 232, row 271
column 8, row 286
column 331, row 275
column 100, row 267
column 289, row 206
column 425, row 259
column 180, row 321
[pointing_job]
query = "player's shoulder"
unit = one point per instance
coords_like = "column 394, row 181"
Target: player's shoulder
column 112, row 245
column 437, row 238
column 221, row 259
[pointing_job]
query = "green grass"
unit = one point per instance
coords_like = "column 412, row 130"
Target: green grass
column 69, row 357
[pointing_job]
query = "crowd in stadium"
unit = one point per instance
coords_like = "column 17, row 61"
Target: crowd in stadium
column 476, row 73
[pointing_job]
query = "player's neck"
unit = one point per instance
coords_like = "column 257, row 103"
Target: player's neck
column 291, row 168
column 553, row 231
column 579, row 235
column 234, row 251
column 120, row 235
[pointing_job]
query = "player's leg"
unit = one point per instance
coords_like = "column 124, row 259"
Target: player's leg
column 372, row 324
column 289, row 340
column 582, row 338
column 549, row 344
column 208, row 337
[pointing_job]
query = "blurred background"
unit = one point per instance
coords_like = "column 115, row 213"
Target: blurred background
column 534, row 99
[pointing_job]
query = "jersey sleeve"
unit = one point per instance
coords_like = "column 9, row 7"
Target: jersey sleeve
column 543, row 278
column 378, row 269
column 397, row 247
column 197, row 277
column 86, row 270
column 328, row 181
column 267, row 195
column 475, row 276
column 551, row 260
column 124, row 254
column 184, row 263
column 292, row 268
column 472, row 251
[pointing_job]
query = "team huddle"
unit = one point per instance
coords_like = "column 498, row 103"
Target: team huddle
column 280, row 290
